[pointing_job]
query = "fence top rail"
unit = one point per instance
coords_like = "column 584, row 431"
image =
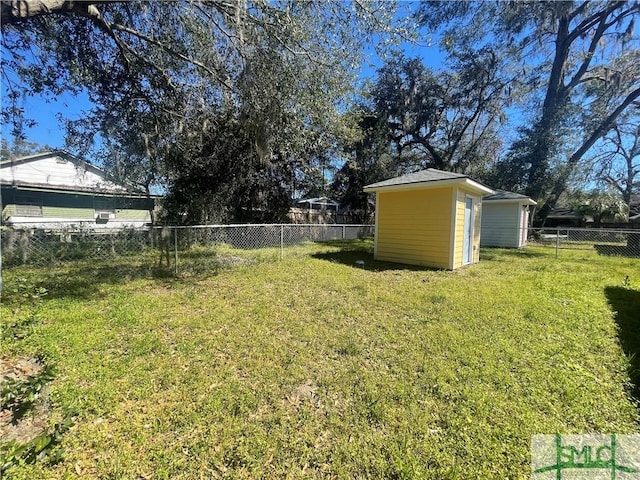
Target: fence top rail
column 292, row 225
column 577, row 229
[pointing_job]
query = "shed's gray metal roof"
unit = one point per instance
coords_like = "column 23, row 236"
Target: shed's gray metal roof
column 429, row 178
column 428, row 175
column 504, row 195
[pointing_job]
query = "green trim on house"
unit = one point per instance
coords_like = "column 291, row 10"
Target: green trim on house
column 68, row 212
column 137, row 215
column 73, row 205
column 8, row 210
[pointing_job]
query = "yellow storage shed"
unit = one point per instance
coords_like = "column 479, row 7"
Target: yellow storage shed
column 429, row 218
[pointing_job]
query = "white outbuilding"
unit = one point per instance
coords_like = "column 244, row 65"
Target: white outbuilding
column 505, row 219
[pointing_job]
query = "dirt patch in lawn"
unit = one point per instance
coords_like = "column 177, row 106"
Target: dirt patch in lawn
column 15, row 423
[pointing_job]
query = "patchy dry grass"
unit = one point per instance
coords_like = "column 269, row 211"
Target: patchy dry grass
column 313, row 368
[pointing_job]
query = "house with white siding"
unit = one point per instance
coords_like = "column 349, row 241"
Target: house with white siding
column 59, row 190
column 505, row 219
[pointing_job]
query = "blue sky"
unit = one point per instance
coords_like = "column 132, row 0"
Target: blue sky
column 49, row 130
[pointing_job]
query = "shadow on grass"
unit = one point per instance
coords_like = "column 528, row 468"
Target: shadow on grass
column 350, row 257
column 617, row 250
column 491, row 253
column 352, row 252
column 84, row 280
column 357, row 245
column 626, row 303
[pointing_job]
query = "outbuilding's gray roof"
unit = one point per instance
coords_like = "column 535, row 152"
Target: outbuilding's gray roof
column 427, row 178
column 428, row 175
column 504, row 195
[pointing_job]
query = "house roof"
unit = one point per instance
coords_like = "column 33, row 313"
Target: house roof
column 78, row 191
column 568, row 213
column 504, row 196
column 428, row 178
column 59, row 178
column 319, row 201
column 53, row 153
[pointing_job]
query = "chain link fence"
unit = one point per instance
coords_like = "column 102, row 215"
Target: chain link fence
column 604, row 241
column 205, row 248
column 176, row 248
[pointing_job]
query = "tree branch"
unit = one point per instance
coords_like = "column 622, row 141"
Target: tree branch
column 603, row 127
column 579, row 10
column 202, row 66
column 589, row 55
column 594, row 19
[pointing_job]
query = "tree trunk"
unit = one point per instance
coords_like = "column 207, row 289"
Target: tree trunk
column 543, row 132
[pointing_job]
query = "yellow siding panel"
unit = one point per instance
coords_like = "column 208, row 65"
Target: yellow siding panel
column 459, row 240
column 414, row 226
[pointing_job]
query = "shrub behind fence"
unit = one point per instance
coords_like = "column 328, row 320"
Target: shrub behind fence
column 45, row 247
column 183, row 248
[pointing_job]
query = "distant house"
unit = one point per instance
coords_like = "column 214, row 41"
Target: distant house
column 429, row 218
column 59, row 190
column 320, row 203
column 566, row 217
column 505, row 218
column 314, row 210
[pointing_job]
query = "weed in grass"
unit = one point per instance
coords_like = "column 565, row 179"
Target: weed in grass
column 44, row 445
column 24, row 291
column 438, row 299
column 348, row 348
column 18, row 395
column 18, row 328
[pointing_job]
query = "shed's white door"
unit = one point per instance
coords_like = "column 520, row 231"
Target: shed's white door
column 467, row 254
column 524, row 226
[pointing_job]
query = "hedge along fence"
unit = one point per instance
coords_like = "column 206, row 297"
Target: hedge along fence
column 161, row 245
column 195, row 246
column 44, row 247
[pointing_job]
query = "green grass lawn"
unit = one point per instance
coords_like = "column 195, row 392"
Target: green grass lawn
column 312, row 368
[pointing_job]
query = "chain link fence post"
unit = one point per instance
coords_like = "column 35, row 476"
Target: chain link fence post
column 557, row 240
column 175, row 249
column 281, row 242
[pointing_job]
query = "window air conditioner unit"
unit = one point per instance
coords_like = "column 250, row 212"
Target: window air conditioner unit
column 104, row 216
